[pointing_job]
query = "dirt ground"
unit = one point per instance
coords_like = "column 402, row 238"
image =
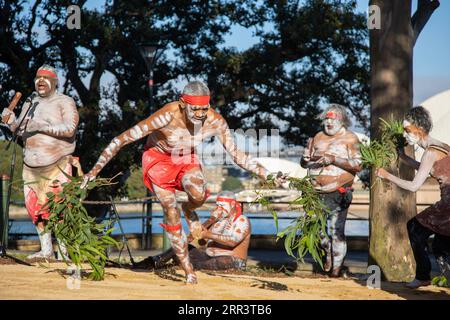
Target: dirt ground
column 51, row 281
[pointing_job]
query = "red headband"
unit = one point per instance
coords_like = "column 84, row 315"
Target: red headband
column 233, row 203
column 333, row 115
column 43, row 72
column 195, row 100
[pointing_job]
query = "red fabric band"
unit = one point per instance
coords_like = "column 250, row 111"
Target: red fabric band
column 171, row 228
column 46, row 73
column 333, row 115
column 344, row 189
column 196, row 100
column 233, row 203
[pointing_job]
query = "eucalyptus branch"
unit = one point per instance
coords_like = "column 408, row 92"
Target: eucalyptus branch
column 305, row 234
column 84, row 239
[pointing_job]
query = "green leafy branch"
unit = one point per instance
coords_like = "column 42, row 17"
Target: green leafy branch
column 305, row 234
column 84, row 239
column 382, row 153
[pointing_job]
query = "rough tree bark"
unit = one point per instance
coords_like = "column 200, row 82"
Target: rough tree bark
column 391, row 51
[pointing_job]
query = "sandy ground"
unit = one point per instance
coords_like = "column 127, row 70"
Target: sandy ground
column 49, row 281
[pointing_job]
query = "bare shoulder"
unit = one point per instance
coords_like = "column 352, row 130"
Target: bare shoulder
column 215, row 118
column 243, row 219
column 352, row 137
column 319, row 136
column 65, row 99
column 173, row 107
column 214, row 114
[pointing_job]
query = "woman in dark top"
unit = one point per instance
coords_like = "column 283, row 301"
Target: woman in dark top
column 436, row 218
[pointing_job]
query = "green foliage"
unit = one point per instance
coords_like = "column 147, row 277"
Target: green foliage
column 304, row 234
column 441, row 281
column 84, row 239
column 135, row 185
column 5, row 165
column 383, row 152
column 231, row 183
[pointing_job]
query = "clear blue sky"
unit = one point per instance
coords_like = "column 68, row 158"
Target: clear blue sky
column 431, row 54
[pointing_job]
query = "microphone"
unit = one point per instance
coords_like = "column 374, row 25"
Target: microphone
column 31, row 96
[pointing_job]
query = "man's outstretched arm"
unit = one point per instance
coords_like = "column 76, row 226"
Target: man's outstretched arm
column 156, row 121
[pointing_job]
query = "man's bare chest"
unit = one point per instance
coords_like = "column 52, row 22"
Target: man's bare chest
column 336, row 147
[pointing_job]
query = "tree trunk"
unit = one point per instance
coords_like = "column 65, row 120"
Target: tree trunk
column 391, row 51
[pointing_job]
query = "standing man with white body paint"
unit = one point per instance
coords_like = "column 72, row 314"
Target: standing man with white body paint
column 333, row 159
column 47, row 124
column 170, row 162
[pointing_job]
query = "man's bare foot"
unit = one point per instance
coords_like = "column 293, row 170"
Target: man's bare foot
column 336, row 273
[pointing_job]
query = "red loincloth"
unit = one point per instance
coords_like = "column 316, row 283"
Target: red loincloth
column 166, row 171
column 34, row 208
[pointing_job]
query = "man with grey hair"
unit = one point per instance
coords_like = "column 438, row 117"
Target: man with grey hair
column 333, row 158
column 170, row 161
column 47, row 125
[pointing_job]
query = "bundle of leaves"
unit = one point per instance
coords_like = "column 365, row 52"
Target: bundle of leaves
column 383, row 152
column 84, row 239
column 305, row 233
column 441, row 281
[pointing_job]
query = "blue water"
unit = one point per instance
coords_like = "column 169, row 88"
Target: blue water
column 262, row 224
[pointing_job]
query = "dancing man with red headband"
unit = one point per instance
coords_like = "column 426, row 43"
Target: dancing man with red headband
column 170, row 162
column 47, row 124
column 333, row 159
column 227, row 233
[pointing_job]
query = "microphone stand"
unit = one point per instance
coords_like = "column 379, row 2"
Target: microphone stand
column 14, row 138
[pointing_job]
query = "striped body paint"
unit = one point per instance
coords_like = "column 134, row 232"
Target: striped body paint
column 170, row 133
column 343, row 147
column 230, row 238
column 48, row 130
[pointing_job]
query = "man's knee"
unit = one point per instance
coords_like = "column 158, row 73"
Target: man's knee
column 195, row 186
column 197, row 198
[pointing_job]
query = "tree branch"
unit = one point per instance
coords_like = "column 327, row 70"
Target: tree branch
column 32, row 22
column 425, row 9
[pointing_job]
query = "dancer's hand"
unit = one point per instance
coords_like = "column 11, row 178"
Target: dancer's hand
column 306, row 151
column 9, row 116
column 205, row 233
column 86, row 178
column 380, row 172
column 326, row 159
column 280, row 179
column 196, row 228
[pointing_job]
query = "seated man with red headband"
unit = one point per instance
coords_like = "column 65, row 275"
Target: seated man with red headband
column 227, row 233
column 170, row 161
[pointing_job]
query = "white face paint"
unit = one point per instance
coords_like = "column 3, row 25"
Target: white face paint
column 196, row 114
column 43, row 86
column 226, row 206
column 332, row 126
column 410, row 137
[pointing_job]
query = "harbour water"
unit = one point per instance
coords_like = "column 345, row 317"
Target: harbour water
column 261, row 223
